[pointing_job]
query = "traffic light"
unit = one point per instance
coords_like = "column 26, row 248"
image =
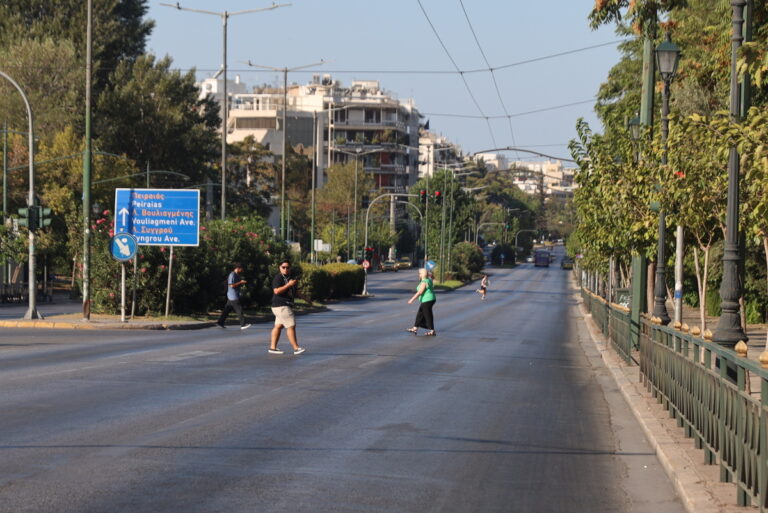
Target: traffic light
column 438, row 198
column 423, row 196
column 368, row 255
column 366, row 201
column 44, row 217
column 28, row 218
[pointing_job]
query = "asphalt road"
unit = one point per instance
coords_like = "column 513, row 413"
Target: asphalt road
column 508, row 409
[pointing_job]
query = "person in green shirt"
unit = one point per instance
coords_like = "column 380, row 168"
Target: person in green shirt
column 426, row 296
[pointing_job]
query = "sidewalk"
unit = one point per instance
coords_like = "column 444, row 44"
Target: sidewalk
column 698, row 485
column 67, row 314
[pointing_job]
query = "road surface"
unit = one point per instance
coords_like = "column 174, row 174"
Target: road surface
column 508, row 409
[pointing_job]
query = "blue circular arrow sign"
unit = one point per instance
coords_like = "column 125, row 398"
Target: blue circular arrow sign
column 123, row 246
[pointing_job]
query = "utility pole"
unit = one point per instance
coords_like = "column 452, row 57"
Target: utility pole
column 638, row 303
column 314, row 185
column 87, row 169
column 5, row 192
column 285, row 70
column 225, row 101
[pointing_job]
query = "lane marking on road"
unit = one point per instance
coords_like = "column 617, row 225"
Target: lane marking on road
column 185, row 356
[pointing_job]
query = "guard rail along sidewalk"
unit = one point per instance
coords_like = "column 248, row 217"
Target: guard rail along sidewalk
column 717, row 395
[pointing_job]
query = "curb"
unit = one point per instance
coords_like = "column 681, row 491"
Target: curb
column 693, row 488
column 140, row 325
column 96, row 325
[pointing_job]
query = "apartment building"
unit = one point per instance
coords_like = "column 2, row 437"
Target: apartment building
column 361, row 121
column 556, row 180
column 436, row 151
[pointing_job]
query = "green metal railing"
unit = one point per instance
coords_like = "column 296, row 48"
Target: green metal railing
column 706, row 388
column 613, row 321
column 618, row 332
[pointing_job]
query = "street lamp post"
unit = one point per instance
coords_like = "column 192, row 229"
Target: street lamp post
column 667, row 58
column 729, row 330
column 225, row 102
column 284, row 71
column 32, row 312
column 357, row 154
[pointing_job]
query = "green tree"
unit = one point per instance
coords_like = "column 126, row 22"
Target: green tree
column 153, row 115
column 252, row 178
column 120, row 30
column 48, row 72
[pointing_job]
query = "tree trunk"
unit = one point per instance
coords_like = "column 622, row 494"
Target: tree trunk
column 699, row 285
column 649, row 285
column 704, row 286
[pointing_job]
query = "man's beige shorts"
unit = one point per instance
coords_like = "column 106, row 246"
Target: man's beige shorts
column 284, row 316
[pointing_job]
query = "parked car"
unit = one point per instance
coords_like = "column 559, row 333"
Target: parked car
column 404, row 263
column 566, row 263
column 389, row 265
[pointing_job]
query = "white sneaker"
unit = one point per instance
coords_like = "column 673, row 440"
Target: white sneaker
column 299, row 350
column 276, row 351
column 245, row 326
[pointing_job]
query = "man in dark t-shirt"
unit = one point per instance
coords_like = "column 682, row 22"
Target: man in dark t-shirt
column 284, row 290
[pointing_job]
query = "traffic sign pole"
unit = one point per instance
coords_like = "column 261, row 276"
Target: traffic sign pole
column 168, row 289
column 122, row 293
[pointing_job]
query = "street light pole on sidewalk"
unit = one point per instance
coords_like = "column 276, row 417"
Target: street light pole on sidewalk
column 284, row 71
column 224, row 15
column 32, row 312
column 729, row 330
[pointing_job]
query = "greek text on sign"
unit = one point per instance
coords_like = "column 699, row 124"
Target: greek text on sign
column 159, row 217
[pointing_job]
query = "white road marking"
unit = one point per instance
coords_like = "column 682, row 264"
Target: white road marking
column 185, row 356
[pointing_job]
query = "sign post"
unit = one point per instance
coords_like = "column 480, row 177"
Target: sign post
column 366, row 266
column 123, row 247
column 159, row 217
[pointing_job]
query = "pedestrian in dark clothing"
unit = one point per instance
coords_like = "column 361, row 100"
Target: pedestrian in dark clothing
column 426, row 296
column 284, row 289
column 234, row 282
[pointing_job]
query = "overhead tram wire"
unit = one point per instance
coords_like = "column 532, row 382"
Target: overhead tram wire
column 461, row 74
column 517, row 114
column 493, row 75
column 378, row 71
column 445, row 71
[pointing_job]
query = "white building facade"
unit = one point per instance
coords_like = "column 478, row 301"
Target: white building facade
column 337, row 122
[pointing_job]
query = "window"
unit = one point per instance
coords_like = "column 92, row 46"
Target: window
column 254, row 123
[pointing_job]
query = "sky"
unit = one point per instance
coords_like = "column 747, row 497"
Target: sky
column 390, row 41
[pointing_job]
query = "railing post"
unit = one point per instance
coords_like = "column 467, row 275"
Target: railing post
column 762, row 458
column 722, row 401
column 638, row 300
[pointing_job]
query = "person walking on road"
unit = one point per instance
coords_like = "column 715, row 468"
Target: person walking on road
column 426, row 296
column 234, row 282
column 483, row 290
column 284, row 289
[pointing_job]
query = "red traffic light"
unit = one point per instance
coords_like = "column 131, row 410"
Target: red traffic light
column 438, row 197
column 423, row 196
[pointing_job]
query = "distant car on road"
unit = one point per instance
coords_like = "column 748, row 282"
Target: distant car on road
column 529, row 259
column 389, row 265
column 404, row 263
column 541, row 258
column 566, row 263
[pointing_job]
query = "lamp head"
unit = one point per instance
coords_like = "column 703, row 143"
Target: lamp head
column 667, row 59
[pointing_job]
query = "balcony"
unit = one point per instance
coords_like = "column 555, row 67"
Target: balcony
column 370, row 125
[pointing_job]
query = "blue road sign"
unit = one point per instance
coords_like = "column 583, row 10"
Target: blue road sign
column 159, row 217
column 123, row 246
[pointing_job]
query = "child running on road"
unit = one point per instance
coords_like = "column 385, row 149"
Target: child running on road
column 483, row 290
